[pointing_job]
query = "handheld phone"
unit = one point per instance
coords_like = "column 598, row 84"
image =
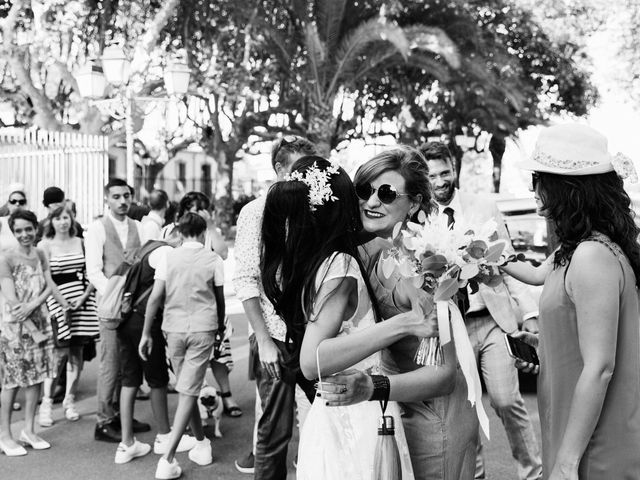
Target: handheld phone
column 521, row 350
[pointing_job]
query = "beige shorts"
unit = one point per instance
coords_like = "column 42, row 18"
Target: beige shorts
column 189, row 354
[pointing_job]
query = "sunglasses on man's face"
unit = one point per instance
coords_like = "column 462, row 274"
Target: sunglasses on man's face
column 18, row 201
column 386, row 193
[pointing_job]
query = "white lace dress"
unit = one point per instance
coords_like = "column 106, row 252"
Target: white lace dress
column 338, row 443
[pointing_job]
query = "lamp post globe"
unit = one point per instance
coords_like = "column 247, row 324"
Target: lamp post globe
column 176, row 77
column 115, row 65
column 91, row 81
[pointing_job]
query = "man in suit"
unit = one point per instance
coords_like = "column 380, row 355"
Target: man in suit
column 491, row 312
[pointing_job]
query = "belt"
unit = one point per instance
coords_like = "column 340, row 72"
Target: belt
column 478, row 313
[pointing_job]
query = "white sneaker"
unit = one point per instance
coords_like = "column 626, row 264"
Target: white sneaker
column 137, row 449
column 44, row 416
column 201, row 453
column 166, row 470
column 161, row 443
column 69, row 406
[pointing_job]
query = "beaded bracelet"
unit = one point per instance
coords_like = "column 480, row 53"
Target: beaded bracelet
column 381, row 390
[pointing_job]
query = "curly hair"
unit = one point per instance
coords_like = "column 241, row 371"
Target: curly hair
column 409, row 163
column 26, row 215
column 581, row 205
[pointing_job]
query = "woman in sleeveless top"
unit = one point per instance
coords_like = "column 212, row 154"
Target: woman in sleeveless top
column 312, row 273
column 588, row 384
column 26, row 349
column 440, row 423
column 76, row 321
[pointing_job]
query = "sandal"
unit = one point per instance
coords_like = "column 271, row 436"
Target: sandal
column 233, row 411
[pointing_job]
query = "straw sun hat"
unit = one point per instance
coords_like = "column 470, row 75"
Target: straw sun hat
column 575, row 149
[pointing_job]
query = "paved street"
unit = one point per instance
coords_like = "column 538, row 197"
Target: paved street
column 75, row 455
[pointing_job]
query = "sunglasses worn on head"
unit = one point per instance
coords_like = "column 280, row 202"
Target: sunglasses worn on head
column 18, row 201
column 386, row 193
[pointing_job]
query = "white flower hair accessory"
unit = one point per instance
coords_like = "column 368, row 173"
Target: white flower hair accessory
column 318, row 182
column 624, row 167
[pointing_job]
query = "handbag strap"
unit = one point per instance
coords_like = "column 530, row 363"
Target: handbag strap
column 320, row 387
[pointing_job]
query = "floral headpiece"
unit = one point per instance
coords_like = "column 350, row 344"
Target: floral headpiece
column 318, row 182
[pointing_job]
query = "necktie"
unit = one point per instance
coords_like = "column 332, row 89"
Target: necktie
column 448, row 211
column 463, row 295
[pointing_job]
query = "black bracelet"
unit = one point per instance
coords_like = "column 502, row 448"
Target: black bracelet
column 381, row 389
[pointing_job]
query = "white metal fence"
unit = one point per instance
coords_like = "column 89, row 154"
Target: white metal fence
column 38, row 159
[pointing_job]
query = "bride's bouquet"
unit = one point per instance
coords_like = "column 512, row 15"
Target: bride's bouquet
column 431, row 262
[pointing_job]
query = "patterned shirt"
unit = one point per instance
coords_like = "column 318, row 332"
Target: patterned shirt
column 246, row 279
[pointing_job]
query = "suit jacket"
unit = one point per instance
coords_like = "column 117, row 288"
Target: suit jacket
column 510, row 300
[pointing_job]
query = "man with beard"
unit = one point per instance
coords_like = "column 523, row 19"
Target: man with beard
column 491, row 312
column 109, row 241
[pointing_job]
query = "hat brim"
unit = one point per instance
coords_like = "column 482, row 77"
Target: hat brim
column 534, row 166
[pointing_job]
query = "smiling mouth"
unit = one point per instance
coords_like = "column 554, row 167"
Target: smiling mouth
column 370, row 214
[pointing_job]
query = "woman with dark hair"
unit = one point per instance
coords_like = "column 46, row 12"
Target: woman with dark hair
column 17, row 201
column 26, row 350
column 440, row 423
column 312, row 273
column 75, row 321
column 589, row 386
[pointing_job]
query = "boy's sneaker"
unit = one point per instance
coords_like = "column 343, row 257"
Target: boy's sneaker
column 201, row 453
column 44, row 415
column 245, row 464
column 137, row 449
column 166, row 470
column 69, row 406
column 161, row 443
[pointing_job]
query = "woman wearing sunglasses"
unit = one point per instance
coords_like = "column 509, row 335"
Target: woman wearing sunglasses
column 440, row 424
column 17, row 201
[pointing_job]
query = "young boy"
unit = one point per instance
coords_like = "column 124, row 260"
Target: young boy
column 191, row 279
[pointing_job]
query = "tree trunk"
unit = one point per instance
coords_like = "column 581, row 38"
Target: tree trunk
column 321, row 127
column 497, row 145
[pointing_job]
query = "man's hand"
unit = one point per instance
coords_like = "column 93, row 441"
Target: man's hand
column 531, row 325
column 145, row 346
column 269, row 357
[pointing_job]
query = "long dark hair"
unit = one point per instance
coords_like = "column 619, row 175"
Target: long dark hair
column 582, row 205
column 296, row 241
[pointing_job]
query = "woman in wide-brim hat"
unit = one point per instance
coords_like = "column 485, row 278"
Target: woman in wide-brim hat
column 589, row 380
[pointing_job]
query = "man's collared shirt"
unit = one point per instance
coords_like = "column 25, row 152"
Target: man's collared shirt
column 246, row 280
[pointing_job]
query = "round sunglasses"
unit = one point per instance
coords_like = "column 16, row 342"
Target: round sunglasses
column 386, row 193
column 18, row 201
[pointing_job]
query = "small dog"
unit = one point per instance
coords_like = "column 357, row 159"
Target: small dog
column 210, row 406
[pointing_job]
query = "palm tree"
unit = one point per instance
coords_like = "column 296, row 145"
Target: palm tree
column 325, row 47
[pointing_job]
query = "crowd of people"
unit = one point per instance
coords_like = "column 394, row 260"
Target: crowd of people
column 329, row 342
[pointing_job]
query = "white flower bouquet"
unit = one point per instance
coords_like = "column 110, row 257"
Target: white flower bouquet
column 431, row 262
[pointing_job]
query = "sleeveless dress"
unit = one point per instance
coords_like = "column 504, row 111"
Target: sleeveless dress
column 23, row 362
column 613, row 451
column 68, row 273
column 338, row 443
column 442, row 432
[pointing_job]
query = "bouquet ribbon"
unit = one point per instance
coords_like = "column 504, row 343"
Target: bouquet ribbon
column 466, row 357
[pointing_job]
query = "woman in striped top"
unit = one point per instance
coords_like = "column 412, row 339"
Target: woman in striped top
column 77, row 320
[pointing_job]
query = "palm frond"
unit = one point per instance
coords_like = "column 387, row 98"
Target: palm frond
column 284, row 48
column 316, row 55
column 329, row 16
column 360, row 39
column 433, row 67
column 435, row 40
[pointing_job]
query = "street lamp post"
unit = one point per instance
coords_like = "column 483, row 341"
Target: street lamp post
column 115, row 69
